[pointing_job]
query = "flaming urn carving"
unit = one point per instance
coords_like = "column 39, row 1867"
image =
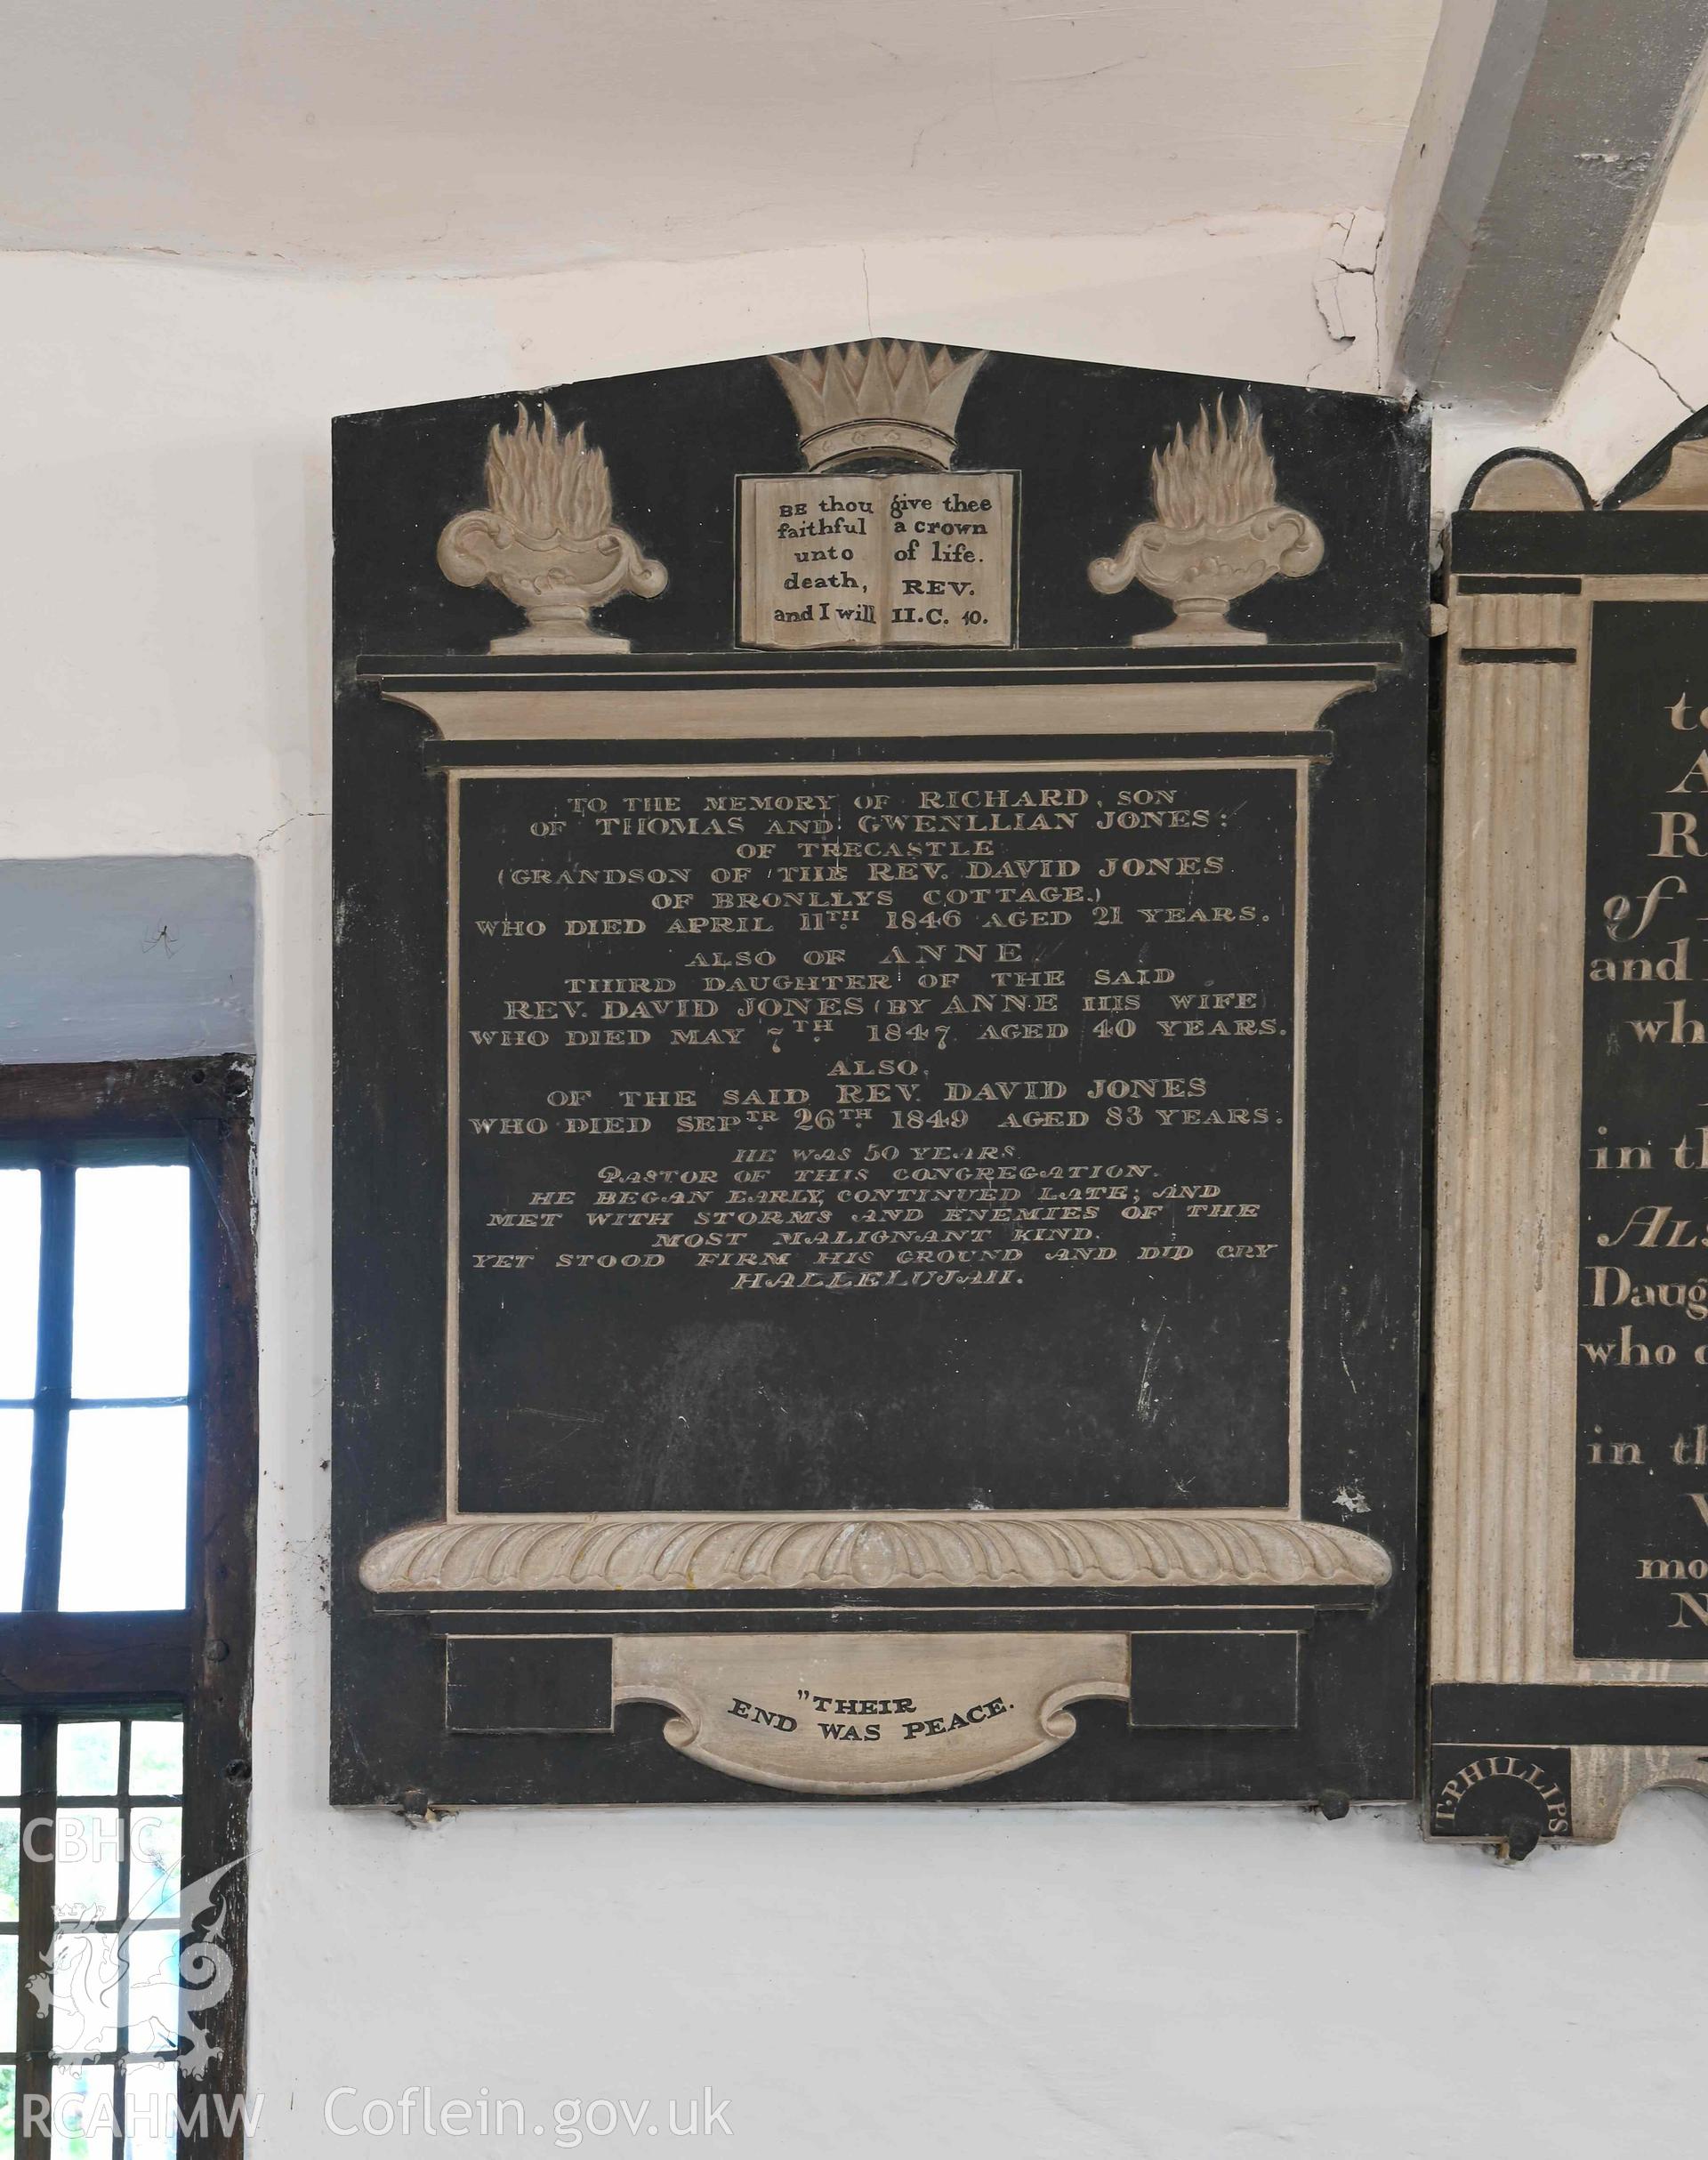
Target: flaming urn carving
column 1218, row 532
column 548, row 540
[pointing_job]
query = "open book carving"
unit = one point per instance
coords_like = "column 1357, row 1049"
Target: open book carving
column 877, row 558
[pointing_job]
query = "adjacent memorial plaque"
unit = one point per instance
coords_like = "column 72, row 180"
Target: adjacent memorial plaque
column 876, row 1185
column 1571, row 1577
column 1641, row 1580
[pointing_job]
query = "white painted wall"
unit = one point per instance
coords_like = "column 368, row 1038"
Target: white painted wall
column 495, row 136
column 1070, row 1985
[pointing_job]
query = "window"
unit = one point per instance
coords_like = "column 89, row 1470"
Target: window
column 90, row 1839
column 94, row 1382
column 126, row 1569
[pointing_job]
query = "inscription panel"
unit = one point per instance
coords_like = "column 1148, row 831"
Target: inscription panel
column 1641, row 1577
column 912, row 1135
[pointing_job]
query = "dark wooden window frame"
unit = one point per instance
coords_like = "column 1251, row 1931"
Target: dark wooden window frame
column 201, row 1660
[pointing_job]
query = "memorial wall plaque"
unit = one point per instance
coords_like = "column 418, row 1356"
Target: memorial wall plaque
column 879, row 928
column 1570, row 1588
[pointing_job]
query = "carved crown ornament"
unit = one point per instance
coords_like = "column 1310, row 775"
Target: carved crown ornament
column 1218, row 532
column 881, row 398
column 547, row 538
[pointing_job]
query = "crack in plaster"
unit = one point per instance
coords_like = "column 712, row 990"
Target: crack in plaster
column 1625, row 346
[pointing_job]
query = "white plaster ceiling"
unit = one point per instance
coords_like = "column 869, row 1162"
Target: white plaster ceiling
column 486, row 136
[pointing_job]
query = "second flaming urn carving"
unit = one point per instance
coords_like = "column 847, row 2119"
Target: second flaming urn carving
column 1218, row 532
column 548, row 539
